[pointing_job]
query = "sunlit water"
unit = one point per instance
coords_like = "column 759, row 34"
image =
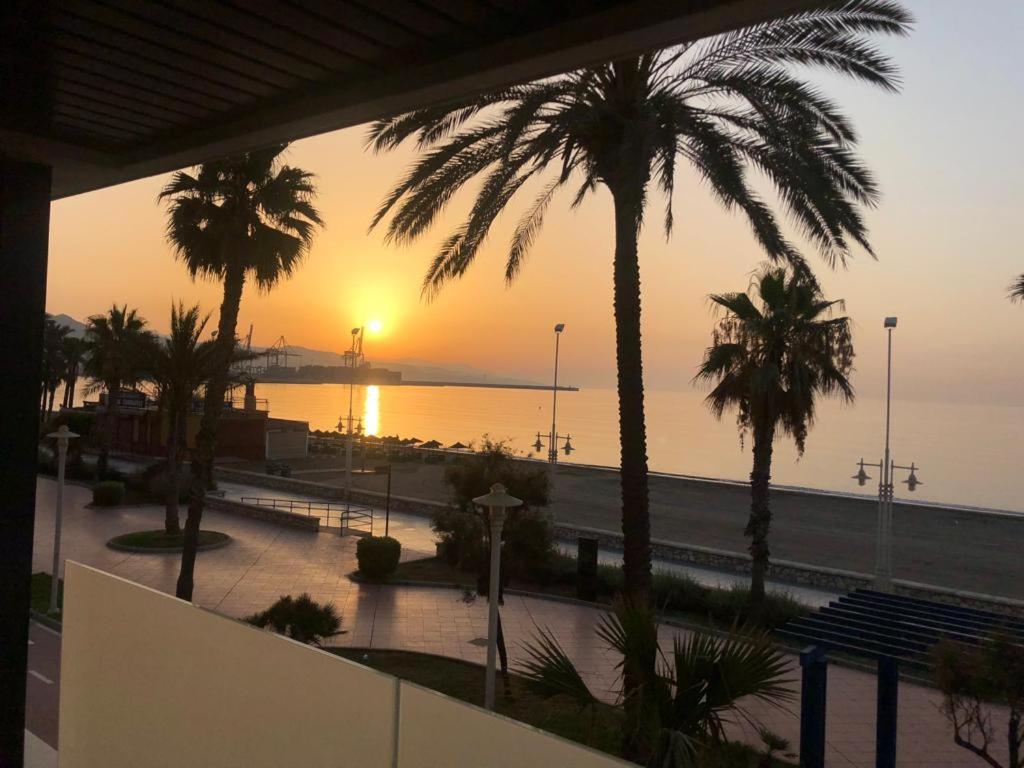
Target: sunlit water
column 968, row 454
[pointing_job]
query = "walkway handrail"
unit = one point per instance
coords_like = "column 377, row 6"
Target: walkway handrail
column 348, row 516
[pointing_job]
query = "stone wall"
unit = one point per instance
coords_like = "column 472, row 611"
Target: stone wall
column 266, row 514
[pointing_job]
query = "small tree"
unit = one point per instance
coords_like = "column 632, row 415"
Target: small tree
column 974, row 680
column 300, row 618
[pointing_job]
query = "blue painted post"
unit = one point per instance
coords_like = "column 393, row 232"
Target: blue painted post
column 885, row 729
column 812, row 707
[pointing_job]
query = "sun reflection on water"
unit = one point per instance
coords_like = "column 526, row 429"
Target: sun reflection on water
column 371, row 410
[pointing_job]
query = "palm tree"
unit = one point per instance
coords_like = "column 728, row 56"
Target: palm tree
column 178, row 366
column 686, row 697
column 114, row 346
column 1017, row 289
column 73, row 355
column 243, row 217
column 54, row 339
column 726, row 105
column 771, row 362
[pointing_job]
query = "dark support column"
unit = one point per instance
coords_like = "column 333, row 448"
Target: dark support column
column 586, row 569
column 885, row 723
column 812, row 707
column 24, row 233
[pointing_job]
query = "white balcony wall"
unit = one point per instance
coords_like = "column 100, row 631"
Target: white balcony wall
column 149, row 680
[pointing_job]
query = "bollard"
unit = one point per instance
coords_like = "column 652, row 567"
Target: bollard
column 885, row 728
column 812, row 707
column 586, row 569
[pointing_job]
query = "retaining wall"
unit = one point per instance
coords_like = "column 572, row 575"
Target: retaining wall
column 266, row 514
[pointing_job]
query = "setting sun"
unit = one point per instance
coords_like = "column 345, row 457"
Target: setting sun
column 374, row 326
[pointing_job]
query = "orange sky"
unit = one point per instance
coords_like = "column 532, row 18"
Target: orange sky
column 945, row 234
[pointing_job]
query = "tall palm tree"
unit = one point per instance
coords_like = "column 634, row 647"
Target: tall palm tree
column 726, row 105
column 244, row 217
column 114, row 346
column 775, row 351
column 54, row 338
column 73, row 355
column 178, row 366
column 1017, row 289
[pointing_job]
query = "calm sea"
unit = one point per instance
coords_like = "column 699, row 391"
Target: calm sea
column 968, row 454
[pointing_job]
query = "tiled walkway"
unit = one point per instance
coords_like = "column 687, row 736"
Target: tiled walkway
column 265, row 561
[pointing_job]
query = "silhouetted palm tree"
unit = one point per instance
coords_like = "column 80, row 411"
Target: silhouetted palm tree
column 178, row 366
column 114, row 346
column 243, row 217
column 1017, row 289
column 74, row 349
column 771, row 359
column 54, row 339
column 726, row 105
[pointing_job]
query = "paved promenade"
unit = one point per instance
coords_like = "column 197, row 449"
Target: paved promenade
column 266, row 561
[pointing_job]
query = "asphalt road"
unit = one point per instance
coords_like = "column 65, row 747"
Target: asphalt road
column 945, row 547
column 43, row 683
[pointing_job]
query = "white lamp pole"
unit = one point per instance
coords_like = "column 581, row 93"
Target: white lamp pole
column 553, row 442
column 62, row 435
column 496, row 502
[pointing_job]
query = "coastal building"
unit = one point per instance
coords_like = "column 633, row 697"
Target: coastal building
column 247, row 432
column 99, row 94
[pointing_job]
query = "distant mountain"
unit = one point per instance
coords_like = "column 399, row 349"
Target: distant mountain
column 412, row 370
column 77, row 328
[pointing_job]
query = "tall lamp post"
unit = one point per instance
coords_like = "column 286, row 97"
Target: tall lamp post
column 886, row 467
column 63, row 435
column 553, row 436
column 496, row 502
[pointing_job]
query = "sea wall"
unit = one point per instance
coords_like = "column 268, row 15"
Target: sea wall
column 785, row 571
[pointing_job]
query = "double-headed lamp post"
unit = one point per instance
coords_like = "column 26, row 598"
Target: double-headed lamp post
column 63, row 436
column 553, row 436
column 886, row 467
column 496, row 502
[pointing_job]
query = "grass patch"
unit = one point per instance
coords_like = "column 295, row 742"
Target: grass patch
column 599, row 728
column 41, row 583
column 161, row 540
column 674, row 594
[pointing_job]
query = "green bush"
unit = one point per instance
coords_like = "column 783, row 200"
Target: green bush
column 378, row 556
column 301, row 619
column 108, row 493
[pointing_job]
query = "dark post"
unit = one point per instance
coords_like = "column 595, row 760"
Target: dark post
column 387, row 504
column 24, row 234
column 885, row 723
column 812, row 707
column 586, row 569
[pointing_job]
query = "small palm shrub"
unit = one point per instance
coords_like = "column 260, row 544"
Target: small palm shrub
column 378, row 556
column 108, row 493
column 300, row 618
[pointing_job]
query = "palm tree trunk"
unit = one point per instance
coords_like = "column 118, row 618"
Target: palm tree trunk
column 206, row 440
column 49, row 407
column 107, row 438
column 760, row 511
column 172, row 523
column 636, row 525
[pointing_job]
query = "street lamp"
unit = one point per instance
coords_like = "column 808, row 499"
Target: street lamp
column 63, row 435
column 886, row 467
column 352, row 358
column 553, row 436
column 496, row 502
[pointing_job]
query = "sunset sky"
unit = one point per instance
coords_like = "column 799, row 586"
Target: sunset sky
column 945, row 152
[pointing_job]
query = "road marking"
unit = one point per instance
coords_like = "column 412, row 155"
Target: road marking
column 38, row 676
column 45, row 628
